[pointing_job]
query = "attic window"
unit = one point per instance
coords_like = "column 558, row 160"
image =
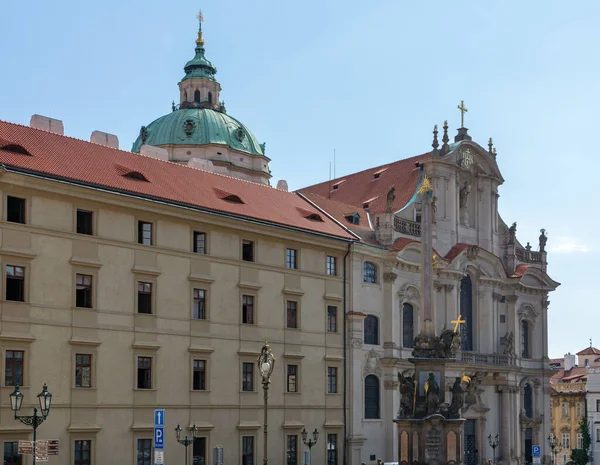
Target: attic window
column 376, row 175
column 335, row 187
column 314, row 217
column 354, row 218
column 135, row 175
column 233, row 199
column 15, row 148
column 366, row 205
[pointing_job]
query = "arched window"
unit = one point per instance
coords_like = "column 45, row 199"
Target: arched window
column 525, row 339
column 370, row 273
column 210, row 98
column 197, row 96
column 466, row 311
column 408, row 331
column 371, row 330
column 528, row 401
column 185, row 95
column 371, row 397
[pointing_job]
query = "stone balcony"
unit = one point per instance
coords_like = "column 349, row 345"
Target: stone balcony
column 486, row 359
column 569, row 388
column 410, row 228
column 528, row 256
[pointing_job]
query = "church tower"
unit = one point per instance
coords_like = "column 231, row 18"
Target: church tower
column 199, row 132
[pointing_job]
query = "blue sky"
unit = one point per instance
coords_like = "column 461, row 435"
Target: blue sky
column 368, row 79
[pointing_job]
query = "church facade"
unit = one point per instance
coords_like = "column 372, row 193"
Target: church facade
column 146, row 279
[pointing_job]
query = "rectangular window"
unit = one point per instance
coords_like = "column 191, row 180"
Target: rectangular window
column 199, row 304
column 292, row 378
column 144, row 373
column 247, row 450
column 566, row 440
column 292, row 450
column 144, row 298
column 84, row 222
column 144, row 233
column 247, row 251
column 199, row 451
column 332, row 458
column 83, row 291
column 13, row 368
column 15, row 209
column 292, row 314
column 144, row 452
column 248, row 309
column 331, row 319
column 83, row 370
column 15, row 283
column 199, row 375
column 331, row 380
column 579, row 440
column 331, row 265
column 83, row 452
column 11, row 453
column 580, row 411
column 199, row 242
column 248, row 377
column 290, row 258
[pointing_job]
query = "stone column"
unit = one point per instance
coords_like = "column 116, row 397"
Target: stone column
column 504, row 402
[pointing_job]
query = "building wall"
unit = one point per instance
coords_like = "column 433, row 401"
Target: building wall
column 114, row 413
column 568, row 409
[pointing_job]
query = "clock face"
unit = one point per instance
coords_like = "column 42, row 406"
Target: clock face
column 466, row 157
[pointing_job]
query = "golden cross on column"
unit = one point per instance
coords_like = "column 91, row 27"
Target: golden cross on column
column 457, row 323
column 463, row 110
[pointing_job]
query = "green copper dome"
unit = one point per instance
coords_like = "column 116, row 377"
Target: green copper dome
column 198, row 126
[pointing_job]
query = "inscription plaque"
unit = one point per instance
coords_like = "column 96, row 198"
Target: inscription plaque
column 433, row 445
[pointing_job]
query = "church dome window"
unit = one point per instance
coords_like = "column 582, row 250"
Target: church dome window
column 210, row 98
column 197, row 96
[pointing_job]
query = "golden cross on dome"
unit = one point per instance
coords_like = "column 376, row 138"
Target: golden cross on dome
column 457, row 323
column 199, row 16
column 463, row 110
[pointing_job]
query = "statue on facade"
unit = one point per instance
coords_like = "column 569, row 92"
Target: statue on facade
column 512, row 233
column 433, row 208
column 407, row 393
column 432, row 394
column 458, row 399
column 509, row 344
column 445, row 347
column 143, row 133
column 543, row 240
column 391, row 196
column 464, row 195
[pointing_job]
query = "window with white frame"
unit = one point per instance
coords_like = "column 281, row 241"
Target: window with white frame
column 579, row 440
column 566, row 440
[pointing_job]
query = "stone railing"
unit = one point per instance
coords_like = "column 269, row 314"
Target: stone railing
column 411, row 228
column 486, row 359
column 527, row 256
column 569, row 387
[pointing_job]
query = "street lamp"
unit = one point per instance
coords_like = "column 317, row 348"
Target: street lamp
column 493, row 444
column 35, row 420
column 186, row 442
column 309, row 442
column 266, row 363
column 554, row 446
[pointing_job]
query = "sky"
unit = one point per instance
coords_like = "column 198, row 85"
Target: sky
column 367, row 80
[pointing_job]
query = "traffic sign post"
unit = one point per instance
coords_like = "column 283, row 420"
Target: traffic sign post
column 159, row 436
column 536, row 454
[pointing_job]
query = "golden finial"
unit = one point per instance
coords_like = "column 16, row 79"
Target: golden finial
column 200, row 17
column 425, row 186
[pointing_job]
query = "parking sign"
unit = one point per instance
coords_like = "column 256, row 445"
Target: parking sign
column 536, row 451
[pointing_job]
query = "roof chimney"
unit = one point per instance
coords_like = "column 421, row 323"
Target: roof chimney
column 282, row 185
column 569, row 361
column 47, row 124
column 154, row 152
column 104, row 138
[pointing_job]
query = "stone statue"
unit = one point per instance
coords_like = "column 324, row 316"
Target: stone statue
column 543, row 240
column 512, row 233
column 432, row 394
column 445, row 346
column 473, row 387
column 458, row 399
column 433, row 208
column 509, row 344
column 464, row 194
column 391, row 196
column 407, row 393
column 143, row 133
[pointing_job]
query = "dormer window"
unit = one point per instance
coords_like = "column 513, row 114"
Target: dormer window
column 353, row 218
column 135, row 175
column 15, row 148
column 233, row 199
column 366, row 205
column 314, row 217
column 335, row 187
column 376, row 176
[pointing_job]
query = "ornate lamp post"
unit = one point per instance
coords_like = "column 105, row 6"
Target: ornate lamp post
column 35, row 420
column 493, row 441
column 266, row 363
column 309, row 442
column 186, row 442
column 554, row 446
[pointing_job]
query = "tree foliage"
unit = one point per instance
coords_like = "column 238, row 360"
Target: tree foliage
column 581, row 456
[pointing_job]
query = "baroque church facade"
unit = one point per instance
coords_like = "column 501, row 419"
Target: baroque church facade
column 181, row 250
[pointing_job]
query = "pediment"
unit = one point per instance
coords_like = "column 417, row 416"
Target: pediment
column 473, row 158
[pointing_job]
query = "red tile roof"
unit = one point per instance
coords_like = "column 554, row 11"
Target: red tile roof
column 456, row 250
column 402, row 242
column 98, row 165
column 570, row 376
column 358, row 188
column 340, row 211
column 589, row 351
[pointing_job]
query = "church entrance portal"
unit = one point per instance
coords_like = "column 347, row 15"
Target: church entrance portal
column 470, row 443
